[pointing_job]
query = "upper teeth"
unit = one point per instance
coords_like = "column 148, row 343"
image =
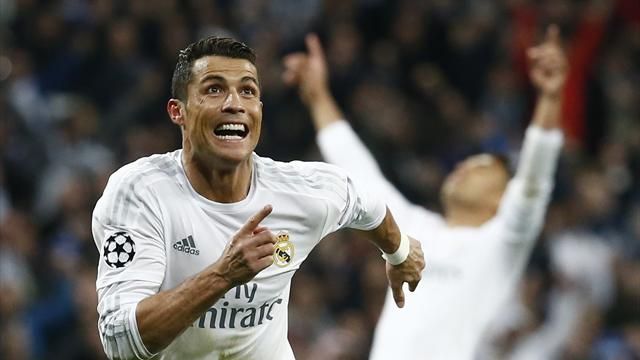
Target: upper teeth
column 236, row 127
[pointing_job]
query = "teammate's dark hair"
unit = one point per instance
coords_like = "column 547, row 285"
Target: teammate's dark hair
column 503, row 160
column 210, row 46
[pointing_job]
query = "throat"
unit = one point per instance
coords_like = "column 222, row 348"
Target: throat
column 466, row 217
column 220, row 185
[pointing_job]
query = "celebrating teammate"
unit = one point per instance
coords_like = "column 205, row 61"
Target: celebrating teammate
column 477, row 251
column 198, row 246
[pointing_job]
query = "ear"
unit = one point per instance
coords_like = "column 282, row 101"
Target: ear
column 174, row 109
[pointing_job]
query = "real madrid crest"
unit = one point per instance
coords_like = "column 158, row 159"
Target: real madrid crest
column 283, row 250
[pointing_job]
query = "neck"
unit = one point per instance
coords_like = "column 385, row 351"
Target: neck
column 224, row 185
column 456, row 216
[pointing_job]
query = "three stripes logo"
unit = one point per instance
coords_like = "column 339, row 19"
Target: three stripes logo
column 187, row 245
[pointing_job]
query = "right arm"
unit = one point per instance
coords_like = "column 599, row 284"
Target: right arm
column 164, row 316
column 137, row 321
column 337, row 141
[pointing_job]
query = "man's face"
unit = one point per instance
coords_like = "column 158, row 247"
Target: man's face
column 477, row 182
column 223, row 112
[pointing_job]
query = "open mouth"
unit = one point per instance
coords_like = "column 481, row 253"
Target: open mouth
column 231, row 131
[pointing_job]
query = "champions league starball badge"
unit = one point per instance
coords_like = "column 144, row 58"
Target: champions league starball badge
column 119, row 250
column 283, row 250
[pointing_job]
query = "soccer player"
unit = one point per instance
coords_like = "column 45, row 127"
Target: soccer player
column 475, row 252
column 198, row 246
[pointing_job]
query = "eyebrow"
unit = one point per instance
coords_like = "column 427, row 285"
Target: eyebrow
column 224, row 80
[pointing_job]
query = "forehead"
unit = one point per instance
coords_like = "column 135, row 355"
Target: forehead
column 481, row 160
column 228, row 68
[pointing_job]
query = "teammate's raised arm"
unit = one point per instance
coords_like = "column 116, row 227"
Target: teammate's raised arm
column 548, row 72
column 522, row 207
column 309, row 72
column 337, row 141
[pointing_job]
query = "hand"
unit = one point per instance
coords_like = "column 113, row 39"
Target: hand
column 249, row 251
column 308, row 71
column 410, row 271
column 548, row 69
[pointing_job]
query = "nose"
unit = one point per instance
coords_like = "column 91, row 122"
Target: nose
column 233, row 103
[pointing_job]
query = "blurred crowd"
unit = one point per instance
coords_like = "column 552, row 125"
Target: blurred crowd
column 83, row 88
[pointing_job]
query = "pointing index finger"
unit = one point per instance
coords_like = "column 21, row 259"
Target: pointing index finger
column 398, row 295
column 553, row 34
column 252, row 224
column 313, row 46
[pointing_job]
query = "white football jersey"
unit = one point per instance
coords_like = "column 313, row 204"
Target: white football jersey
column 470, row 271
column 153, row 229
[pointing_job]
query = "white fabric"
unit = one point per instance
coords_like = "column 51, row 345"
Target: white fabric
column 470, row 271
column 177, row 233
column 117, row 323
column 400, row 255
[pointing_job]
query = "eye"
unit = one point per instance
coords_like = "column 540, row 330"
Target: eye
column 248, row 90
column 214, row 89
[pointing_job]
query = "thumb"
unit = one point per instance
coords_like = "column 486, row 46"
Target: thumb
column 398, row 295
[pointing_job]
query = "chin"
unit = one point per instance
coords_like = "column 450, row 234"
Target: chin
column 231, row 159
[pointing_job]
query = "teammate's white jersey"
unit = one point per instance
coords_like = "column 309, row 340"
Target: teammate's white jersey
column 469, row 270
column 153, row 231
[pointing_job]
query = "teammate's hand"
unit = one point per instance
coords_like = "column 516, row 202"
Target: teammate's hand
column 249, row 251
column 548, row 69
column 410, row 271
column 308, row 70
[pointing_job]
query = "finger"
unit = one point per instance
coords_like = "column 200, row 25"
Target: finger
column 290, row 77
column 265, row 237
column 314, row 47
column 260, row 229
column 546, row 64
column 254, row 221
column 534, row 52
column 294, row 55
column 553, row 34
column 413, row 285
column 537, row 76
column 294, row 61
column 264, row 263
column 264, row 250
column 398, row 295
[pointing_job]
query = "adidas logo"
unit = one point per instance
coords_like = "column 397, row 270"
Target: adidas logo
column 187, row 245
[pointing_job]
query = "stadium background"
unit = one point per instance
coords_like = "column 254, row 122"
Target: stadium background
column 83, row 86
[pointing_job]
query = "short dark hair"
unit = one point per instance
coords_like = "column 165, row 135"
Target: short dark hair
column 504, row 161
column 210, row 46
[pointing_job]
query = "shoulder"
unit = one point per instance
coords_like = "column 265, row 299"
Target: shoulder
column 145, row 171
column 137, row 179
column 309, row 171
column 300, row 176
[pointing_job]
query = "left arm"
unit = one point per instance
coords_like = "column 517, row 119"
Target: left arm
column 524, row 203
column 523, row 206
column 396, row 247
column 356, row 207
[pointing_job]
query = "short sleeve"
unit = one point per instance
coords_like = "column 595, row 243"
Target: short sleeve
column 351, row 204
column 128, row 233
